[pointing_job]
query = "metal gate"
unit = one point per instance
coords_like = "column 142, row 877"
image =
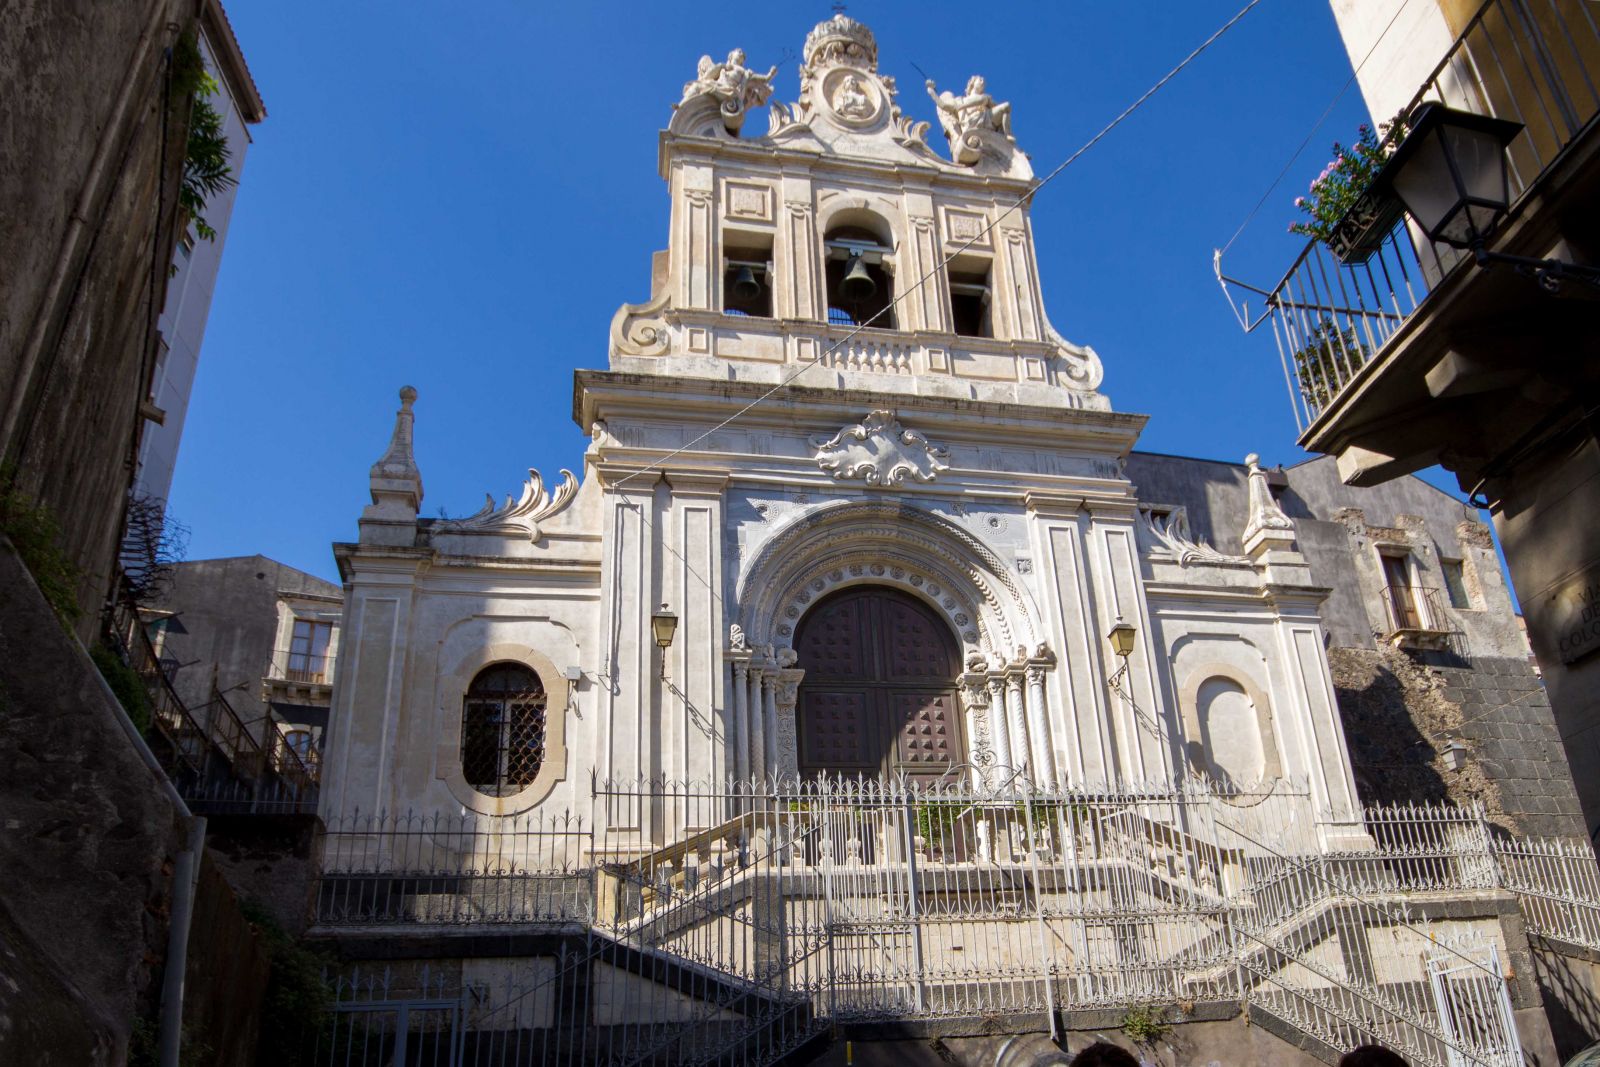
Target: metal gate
column 1475, row 1009
column 382, row 1021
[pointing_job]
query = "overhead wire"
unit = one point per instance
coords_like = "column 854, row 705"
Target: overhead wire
column 1313, row 131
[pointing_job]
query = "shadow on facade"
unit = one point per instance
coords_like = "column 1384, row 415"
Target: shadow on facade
column 1393, row 761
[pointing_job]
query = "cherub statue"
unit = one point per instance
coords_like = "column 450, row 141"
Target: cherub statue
column 735, row 86
column 971, row 119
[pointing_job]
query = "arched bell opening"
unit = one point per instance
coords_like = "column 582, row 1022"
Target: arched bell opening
column 879, row 696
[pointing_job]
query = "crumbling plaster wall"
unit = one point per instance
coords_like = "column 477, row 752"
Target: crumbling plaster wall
column 1515, row 765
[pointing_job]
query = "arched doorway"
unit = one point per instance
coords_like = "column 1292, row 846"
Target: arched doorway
column 879, row 695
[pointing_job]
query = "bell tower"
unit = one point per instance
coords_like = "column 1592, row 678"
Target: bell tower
column 840, row 236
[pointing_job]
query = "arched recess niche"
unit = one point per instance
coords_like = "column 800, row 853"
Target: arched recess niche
column 893, row 544
column 1227, row 716
column 454, row 678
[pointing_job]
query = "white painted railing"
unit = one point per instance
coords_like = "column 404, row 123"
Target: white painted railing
column 803, row 904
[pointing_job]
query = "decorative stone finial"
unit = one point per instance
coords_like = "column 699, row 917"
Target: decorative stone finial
column 398, row 461
column 1265, row 514
column 396, row 484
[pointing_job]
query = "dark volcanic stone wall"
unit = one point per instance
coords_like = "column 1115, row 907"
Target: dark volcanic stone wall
column 1398, row 715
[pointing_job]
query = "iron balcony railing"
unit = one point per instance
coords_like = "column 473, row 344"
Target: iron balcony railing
column 1415, row 608
column 1531, row 61
column 291, row 666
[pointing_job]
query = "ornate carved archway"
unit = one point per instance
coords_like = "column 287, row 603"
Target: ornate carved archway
column 888, row 543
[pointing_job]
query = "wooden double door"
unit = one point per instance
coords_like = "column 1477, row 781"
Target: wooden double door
column 879, row 695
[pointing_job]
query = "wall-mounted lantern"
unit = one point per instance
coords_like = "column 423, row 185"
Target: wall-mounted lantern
column 1454, row 754
column 1122, row 637
column 1451, row 174
column 664, row 624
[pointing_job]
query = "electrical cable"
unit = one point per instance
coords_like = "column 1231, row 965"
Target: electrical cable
column 789, row 379
column 1313, row 132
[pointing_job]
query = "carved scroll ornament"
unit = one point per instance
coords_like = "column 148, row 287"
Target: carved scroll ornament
column 518, row 515
column 880, row 452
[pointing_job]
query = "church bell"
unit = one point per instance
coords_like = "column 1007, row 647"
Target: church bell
column 745, row 286
column 858, row 284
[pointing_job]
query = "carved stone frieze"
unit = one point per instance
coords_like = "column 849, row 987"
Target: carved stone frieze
column 880, row 452
column 1169, row 527
column 518, row 515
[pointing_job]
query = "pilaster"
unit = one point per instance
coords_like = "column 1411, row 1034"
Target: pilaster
column 630, row 710
column 695, row 721
column 1084, row 748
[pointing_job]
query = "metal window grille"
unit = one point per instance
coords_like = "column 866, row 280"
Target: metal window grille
column 502, row 730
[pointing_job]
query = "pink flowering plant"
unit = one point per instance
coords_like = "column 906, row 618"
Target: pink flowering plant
column 1346, row 178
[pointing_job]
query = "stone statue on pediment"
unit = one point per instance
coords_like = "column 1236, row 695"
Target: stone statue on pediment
column 971, row 119
column 731, row 83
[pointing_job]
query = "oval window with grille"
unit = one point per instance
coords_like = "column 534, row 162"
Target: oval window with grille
column 502, row 729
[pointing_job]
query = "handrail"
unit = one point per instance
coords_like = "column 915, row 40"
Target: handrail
column 1331, row 318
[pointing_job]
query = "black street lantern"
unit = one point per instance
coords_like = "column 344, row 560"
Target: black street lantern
column 1450, row 172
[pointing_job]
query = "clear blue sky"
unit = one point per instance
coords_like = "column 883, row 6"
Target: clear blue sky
column 459, row 196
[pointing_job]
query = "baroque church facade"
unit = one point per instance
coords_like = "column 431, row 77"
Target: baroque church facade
column 867, row 672
column 886, row 502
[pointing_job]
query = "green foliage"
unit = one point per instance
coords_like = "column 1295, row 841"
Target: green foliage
column 131, row 692
column 1326, row 360
column 36, row 536
column 1145, row 1023
column 298, row 1003
column 144, row 1046
column 936, row 819
column 1346, row 177
column 205, row 159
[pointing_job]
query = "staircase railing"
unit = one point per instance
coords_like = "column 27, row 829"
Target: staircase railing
column 788, row 908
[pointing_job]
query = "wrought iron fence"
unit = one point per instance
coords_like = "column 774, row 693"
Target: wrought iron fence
column 781, row 909
column 1557, row 883
column 455, row 869
column 1525, row 60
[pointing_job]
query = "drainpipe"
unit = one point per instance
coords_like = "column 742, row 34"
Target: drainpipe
column 185, row 878
column 77, row 233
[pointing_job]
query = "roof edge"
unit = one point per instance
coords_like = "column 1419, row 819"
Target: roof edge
column 230, row 59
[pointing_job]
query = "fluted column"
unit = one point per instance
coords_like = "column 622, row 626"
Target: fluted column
column 999, row 725
column 741, row 719
column 1016, row 720
column 769, row 693
column 1039, row 729
column 755, row 744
